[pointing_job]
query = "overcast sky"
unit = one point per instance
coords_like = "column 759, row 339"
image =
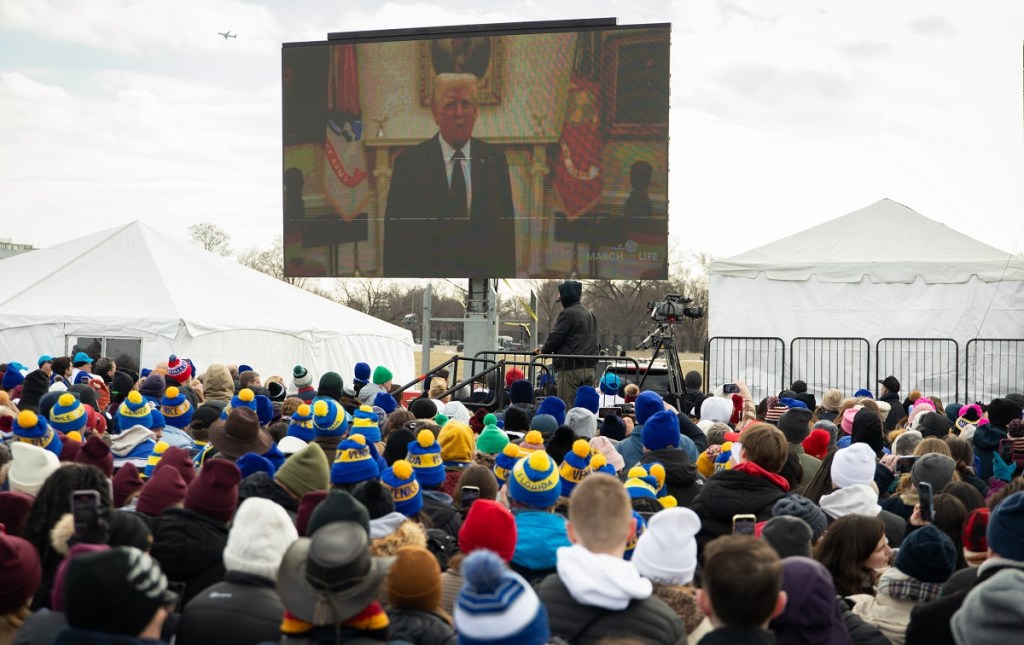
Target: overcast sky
column 785, row 113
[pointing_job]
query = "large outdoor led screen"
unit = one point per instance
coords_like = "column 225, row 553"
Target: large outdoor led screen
column 478, row 154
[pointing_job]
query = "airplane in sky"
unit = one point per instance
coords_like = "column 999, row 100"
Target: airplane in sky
column 227, row 34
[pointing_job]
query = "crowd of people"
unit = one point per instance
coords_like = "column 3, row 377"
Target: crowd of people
column 215, row 506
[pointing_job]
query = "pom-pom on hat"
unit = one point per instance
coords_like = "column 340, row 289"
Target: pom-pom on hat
column 381, row 375
column 214, row 493
column 599, row 464
column 401, row 481
column 365, row 422
column 353, row 462
column 648, row 404
column 667, row 550
column 554, row 407
column 301, row 425
column 245, row 398
column 496, row 605
column 640, row 484
column 31, row 428
column 488, row 525
column 135, row 411
column 610, row 383
column 535, row 481
column 853, row 465
column 424, row 455
column 329, row 418
column 178, row 370
column 504, row 462
column 661, row 431
column 362, row 373
column 587, row 398
column 575, row 466
column 176, row 408
column 492, row 439
column 154, row 458
column 533, row 441
column 301, row 376
column 927, row 554
column 816, row 443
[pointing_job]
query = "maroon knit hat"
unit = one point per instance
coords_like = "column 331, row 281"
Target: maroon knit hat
column 214, row 493
column 96, row 452
column 975, row 531
column 165, row 488
column 308, row 504
column 22, row 572
column 489, row 525
column 179, row 459
column 14, row 509
column 127, row 482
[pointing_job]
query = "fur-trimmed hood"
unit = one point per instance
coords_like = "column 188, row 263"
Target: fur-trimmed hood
column 408, row 533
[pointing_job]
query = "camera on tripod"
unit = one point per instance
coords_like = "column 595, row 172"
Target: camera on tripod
column 672, row 309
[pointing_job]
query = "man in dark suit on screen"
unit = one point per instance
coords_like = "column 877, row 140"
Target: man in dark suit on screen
column 449, row 210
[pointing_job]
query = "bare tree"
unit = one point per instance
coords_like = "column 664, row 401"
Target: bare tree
column 270, row 261
column 210, row 237
column 379, row 298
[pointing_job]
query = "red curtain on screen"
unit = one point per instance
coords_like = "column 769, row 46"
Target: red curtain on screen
column 345, row 156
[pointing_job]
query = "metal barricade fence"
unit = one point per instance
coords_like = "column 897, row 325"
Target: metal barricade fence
column 759, row 361
column 993, row 367
column 930, row 365
column 826, row 363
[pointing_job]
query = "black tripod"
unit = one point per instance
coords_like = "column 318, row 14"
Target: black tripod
column 661, row 339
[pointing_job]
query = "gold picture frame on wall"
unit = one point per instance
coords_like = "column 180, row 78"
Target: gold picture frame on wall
column 482, row 56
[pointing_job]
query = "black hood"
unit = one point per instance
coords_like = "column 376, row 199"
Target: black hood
column 570, row 292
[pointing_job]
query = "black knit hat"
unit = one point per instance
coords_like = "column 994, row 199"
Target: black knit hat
column 795, row 423
column 516, row 420
column 35, row 386
column 338, row 506
column 375, row 498
column 561, row 443
column 423, row 408
column 613, row 427
column 397, row 446
column 927, row 554
column 799, row 506
column 1002, row 411
column 934, row 424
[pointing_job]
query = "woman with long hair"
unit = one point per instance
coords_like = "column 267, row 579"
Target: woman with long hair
column 854, row 550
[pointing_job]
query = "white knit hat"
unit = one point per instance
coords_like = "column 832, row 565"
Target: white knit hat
column 853, row 465
column 582, row 421
column 30, row 466
column 716, row 409
column 290, row 445
column 260, row 534
column 667, row 550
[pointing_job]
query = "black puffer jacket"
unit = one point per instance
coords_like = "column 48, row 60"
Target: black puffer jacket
column 420, row 627
column 650, row 619
column 443, row 515
column 189, row 547
column 259, row 484
column 732, row 492
column 247, row 603
column 575, row 330
column 681, row 477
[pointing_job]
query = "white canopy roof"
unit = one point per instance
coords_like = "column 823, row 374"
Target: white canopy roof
column 885, row 242
column 136, row 278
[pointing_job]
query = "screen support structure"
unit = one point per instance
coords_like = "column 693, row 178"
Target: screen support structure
column 480, row 326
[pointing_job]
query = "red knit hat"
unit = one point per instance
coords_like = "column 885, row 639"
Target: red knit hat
column 489, row 525
column 512, row 375
column 165, row 488
column 22, row 573
column 127, row 482
column 816, row 443
column 975, row 530
column 308, row 504
column 179, row 459
column 178, row 370
column 96, row 452
column 14, row 509
column 214, row 493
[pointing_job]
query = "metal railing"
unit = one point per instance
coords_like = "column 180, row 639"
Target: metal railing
column 826, row 363
column 993, row 367
column 759, row 361
column 930, row 365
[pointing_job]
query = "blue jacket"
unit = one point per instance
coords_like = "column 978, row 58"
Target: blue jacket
column 632, row 448
column 540, row 534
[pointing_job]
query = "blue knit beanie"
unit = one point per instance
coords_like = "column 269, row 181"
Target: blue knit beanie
column 425, row 458
column 661, row 431
column 647, row 404
column 575, row 466
column 610, row 383
column 12, row 377
column 497, row 606
column 535, row 481
column 400, row 479
column 245, row 398
column 250, row 463
column 1005, row 528
column 135, row 411
column 329, row 418
column 504, row 462
column 553, row 406
column 365, row 421
column 301, row 426
column 353, row 462
column 385, row 402
column 68, row 414
column 176, row 408
column 274, row 456
column 362, row 373
column 587, row 398
column 264, row 409
column 31, row 428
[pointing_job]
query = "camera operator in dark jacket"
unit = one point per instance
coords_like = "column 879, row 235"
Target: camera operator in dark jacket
column 574, row 334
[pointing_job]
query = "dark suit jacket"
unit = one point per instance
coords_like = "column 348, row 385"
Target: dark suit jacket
column 420, row 236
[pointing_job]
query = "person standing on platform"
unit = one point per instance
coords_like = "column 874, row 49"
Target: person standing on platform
column 574, row 334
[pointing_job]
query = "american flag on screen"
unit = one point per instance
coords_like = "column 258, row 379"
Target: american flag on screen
column 345, row 156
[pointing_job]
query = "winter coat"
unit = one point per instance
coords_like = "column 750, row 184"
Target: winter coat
column 189, row 547
column 259, row 484
column 444, row 516
column 986, row 443
column 734, row 492
column 632, row 448
column 738, row 636
column 901, row 505
column 861, row 631
column 682, row 599
column 682, row 480
column 419, row 627
column 539, row 536
column 73, row 636
column 451, row 584
column 692, row 431
column 929, row 623
column 896, row 410
column 889, row 614
column 649, row 619
column 248, row 603
column 809, row 464
column 574, row 333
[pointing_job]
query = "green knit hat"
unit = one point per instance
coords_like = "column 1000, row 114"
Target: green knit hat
column 306, row 470
column 381, row 375
column 492, row 439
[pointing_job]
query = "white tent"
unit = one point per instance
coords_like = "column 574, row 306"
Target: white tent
column 884, row 271
column 134, row 282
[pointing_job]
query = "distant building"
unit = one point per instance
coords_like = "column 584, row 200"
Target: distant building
column 9, row 248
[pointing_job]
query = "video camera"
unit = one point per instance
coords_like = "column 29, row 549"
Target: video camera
column 671, row 309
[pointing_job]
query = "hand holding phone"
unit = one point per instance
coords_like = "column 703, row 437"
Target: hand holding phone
column 1006, row 450
column 730, row 388
column 927, row 502
column 603, row 412
column 743, row 524
column 469, row 495
column 905, row 464
column 90, row 526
